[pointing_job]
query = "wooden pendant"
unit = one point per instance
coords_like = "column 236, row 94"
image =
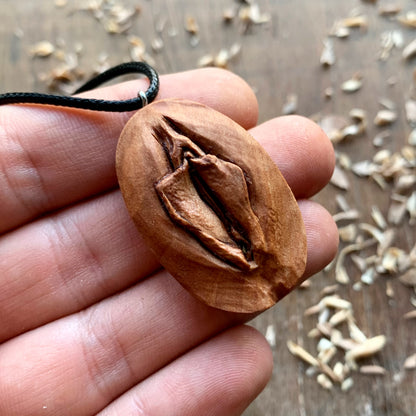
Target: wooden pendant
column 211, row 204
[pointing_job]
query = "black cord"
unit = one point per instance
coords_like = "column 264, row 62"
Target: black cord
column 94, row 104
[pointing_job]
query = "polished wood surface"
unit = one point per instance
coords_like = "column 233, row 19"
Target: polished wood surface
column 278, row 58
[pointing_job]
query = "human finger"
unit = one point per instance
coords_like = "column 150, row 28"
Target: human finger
column 220, row 377
column 53, row 271
column 118, row 342
column 51, row 157
column 301, row 150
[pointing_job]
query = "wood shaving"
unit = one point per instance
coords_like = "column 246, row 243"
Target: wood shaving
column 410, row 50
column 342, row 203
column 390, row 39
column 380, row 138
column 368, row 348
column 389, row 9
column 352, row 214
column 191, row 25
column 410, row 362
column 347, row 384
column 411, row 208
column 340, row 317
column 222, row 59
column 42, row 49
column 352, row 85
column 355, row 333
column 324, row 381
column 408, row 19
column 385, row 117
column 115, row 17
column 340, row 179
column 61, row 3
column 348, row 233
column 271, row 335
column 328, row 55
column 360, row 262
column 368, row 276
column 397, row 211
column 412, row 138
column 331, row 342
column 332, row 125
column 336, row 302
column 329, row 290
column 300, row 352
column 376, row 370
column 229, row 14
column 157, row 44
column 291, row 104
column 325, row 356
column 410, row 107
column 409, row 277
column 410, row 315
column 306, row 284
column 251, row 14
column 360, row 21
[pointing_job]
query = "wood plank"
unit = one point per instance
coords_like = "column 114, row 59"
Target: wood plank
column 278, row 59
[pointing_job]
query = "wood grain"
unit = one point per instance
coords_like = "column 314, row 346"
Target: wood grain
column 218, row 214
column 278, row 58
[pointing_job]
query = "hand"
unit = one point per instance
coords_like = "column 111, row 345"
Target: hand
column 90, row 323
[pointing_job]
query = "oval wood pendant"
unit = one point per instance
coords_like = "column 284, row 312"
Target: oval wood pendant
column 211, row 204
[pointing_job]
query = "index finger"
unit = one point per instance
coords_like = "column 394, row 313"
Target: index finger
column 52, row 157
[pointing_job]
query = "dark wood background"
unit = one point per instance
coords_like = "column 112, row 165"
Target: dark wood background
column 277, row 59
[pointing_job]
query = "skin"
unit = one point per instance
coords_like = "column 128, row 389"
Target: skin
column 90, row 323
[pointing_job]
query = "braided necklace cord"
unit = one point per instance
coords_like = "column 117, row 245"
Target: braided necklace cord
column 93, row 104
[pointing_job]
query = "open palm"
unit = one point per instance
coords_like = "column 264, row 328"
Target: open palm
column 89, row 321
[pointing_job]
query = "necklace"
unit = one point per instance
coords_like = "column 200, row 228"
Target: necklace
column 205, row 196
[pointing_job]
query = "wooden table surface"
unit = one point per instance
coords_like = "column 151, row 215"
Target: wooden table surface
column 278, row 58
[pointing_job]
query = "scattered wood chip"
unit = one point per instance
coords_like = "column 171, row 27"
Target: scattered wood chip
column 412, row 138
column 340, row 179
column 410, row 107
column 408, row 19
column 397, row 211
column 348, row 233
column 411, row 208
column 300, row 352
column 385, row 117
column 61, row 3
column 229, row 14
column 409, row 277
column 352, row 85
column 410, row 315
column 324, row 381
column 355, row 333
column 352, row 214
column 347, row 384
column 368, row 348
column 291, row 104
column 191, row 25
column 271, row 335
column 368, row 276
column 329, row 290
column 376, row 370
column 389, row 9
column 378, row 217
column 410, row 50
column 410, row 362
column 336, row 302
column 328, row 54
column 390, row 39
column 42, row 49
column 359, row 21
